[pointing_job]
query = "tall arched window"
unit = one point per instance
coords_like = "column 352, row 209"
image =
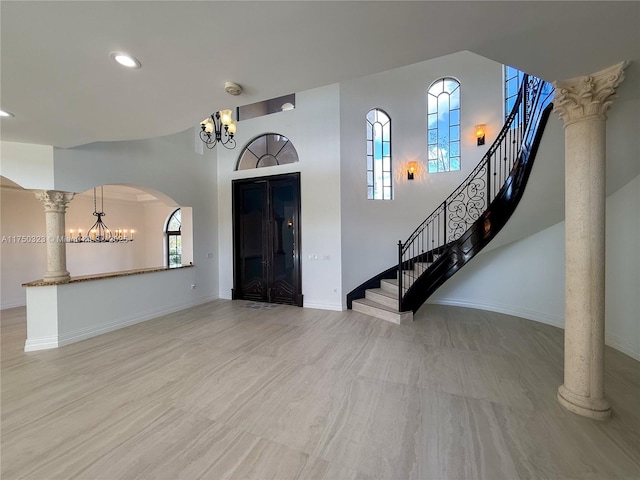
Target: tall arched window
column 512, row 80
column 174, row 239
column 378, row 155
column 443, row 120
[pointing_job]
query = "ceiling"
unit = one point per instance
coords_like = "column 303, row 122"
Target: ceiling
column 58, row 80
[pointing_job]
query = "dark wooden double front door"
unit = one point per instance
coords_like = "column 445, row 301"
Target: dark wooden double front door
column 266, row 239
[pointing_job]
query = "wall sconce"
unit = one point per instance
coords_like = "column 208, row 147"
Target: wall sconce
column 411, row 169
column 480, row 130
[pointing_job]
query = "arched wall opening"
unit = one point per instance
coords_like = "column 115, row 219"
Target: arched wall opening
column 126, row 208
column 130, row 207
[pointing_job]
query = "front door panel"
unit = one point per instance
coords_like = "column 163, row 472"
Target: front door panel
column 283, row 261
column 252, row 241
column 267, row 239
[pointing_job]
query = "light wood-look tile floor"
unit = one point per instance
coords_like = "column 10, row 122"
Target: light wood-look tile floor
column 225, row 391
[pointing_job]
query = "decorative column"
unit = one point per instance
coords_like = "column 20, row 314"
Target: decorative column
column 55, row 206
column 582, row 104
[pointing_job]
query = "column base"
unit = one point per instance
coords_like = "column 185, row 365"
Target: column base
column 595, row 408
column 56, row 277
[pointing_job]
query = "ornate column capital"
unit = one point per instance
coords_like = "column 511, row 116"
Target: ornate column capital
column 588, row 96
column 54, row 200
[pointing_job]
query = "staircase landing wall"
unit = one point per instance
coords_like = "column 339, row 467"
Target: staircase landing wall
column 371, row 228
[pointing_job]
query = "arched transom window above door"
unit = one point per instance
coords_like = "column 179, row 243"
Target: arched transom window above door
column 267, row 150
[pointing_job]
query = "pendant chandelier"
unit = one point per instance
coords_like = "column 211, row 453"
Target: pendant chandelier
column 219, row 128
column 99, row 232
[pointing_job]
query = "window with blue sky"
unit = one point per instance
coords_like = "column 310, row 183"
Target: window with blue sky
column 378, row 155
column 512, row 80
column 443, row 125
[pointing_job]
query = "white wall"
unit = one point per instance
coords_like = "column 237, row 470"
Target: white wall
column 156, row 214
column 623, row 269
column 22, row 214
column 155, row 246
column 169, row 168
column 88, row 259
column 30, row 166
column 371, row 228
column 526, row 278
column 314, row 129
column 166, row 165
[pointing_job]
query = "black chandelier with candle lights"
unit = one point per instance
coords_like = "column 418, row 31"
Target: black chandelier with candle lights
column 99, row 232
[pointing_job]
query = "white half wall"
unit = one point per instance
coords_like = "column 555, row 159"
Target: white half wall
column 62, row 314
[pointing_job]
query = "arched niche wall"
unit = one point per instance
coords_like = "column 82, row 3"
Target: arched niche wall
column 22, row 226
column 126, row 207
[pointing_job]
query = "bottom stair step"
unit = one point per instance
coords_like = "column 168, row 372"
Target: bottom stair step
column 384, row 312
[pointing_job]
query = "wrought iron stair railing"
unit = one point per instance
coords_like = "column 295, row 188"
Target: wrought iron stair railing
column 474, row 213
column 477, row 210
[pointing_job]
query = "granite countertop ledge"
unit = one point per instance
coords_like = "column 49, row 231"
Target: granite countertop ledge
column 100, row 276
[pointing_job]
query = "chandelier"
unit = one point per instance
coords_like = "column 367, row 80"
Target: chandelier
column 99, row 232
column 219, row 128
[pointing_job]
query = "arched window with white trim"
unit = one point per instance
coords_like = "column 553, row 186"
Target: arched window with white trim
column 443, row 125
column 379, row 177
column 173, row 232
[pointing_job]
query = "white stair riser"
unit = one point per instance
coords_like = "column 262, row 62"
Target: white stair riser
column 383, row 299
column 394, row 317
column 389, row 287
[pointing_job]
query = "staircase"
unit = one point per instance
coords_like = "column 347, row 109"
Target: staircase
column 382, row 302
column 461, row 226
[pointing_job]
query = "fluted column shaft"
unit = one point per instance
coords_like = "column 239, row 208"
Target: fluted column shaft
column 55, row 205
column 582, row 103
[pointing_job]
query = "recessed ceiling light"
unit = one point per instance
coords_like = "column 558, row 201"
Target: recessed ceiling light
column 4, row 113
column 126, row 60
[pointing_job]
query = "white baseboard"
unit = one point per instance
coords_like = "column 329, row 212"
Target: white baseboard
column 337, row 307
column 536, row 316
column 44, row 343
column 547, row 318
column 15, row 304
column 623, row 346
column 93, row 331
